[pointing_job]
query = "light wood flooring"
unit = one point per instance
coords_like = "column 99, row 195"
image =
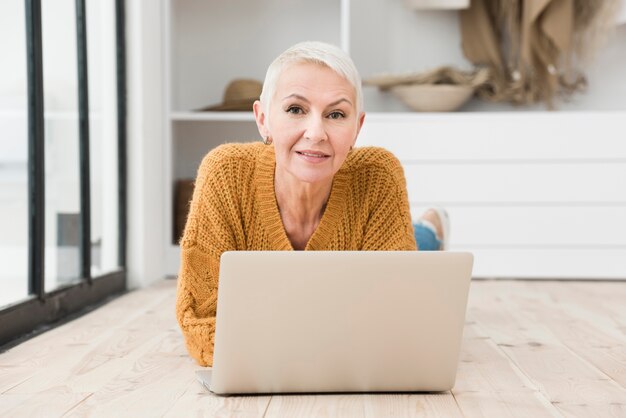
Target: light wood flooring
column 530, row 349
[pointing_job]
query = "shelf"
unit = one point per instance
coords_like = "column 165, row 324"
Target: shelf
column 212, row 116
column 213, row 42
column 530, row 115
column 394, row 116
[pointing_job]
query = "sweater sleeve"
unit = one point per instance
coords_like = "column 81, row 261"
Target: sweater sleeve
column 208, row 233
column 389, row 226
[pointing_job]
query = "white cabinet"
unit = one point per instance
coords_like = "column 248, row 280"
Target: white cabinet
column 531, row 193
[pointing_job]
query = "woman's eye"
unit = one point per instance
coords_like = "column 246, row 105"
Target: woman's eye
column 295, row 110
column 336, row 115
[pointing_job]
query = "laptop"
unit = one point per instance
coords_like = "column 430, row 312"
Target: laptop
column 338, row 321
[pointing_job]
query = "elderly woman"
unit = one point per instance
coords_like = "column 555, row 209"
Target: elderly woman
column 305, row 187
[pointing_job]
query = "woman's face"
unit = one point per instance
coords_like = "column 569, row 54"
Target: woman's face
column 312, row 121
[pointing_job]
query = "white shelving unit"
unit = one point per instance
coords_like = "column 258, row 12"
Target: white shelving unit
column 531, row 193
column 212, row 116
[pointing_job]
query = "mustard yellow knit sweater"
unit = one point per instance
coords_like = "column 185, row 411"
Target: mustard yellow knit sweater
column 234, row 208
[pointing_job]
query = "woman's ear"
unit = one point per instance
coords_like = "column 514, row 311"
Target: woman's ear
column 359, row 125
column 261, row 119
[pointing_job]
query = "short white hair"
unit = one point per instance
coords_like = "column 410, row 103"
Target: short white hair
column 321, row 53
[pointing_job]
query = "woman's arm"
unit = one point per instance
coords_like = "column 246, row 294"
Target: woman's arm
column 208, row 233
column 389, row 225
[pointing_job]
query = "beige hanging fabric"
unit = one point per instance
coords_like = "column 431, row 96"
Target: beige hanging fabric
column 545, row 40
column 530, row 45
column 481, row 45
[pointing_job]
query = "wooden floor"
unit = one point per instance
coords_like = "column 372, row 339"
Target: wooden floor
column 530, row 349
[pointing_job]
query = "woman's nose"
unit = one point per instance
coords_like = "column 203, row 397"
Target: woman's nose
column 315, row 129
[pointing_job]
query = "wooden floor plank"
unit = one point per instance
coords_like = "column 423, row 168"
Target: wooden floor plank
column 72, row 340
column 47, row 405
column 606, row 301
column 529, row 349
column 90, row 370
column 363, row 405
column 326, row 405
column 86, row 362
column 11, row 376
column 579, row 328
column 81, row 331
column 411, row 405
column 614, row 291
column 488, row 382
column 606, row 308
column 570, row 383
column 149, row 388
column 198, row 402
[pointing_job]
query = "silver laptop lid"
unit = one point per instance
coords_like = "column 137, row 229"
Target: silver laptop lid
column 339, row 321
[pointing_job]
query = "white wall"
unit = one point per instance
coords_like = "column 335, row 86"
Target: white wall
column 146, row 232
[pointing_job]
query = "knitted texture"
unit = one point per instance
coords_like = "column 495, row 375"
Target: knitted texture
column 234, row 208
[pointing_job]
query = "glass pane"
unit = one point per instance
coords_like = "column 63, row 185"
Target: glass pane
column 103, row 135
column 13, row 154
column 62, row 263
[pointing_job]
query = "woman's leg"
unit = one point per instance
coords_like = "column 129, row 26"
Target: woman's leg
column 432, row 230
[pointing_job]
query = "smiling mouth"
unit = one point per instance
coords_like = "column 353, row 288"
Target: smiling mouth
column 313, row 154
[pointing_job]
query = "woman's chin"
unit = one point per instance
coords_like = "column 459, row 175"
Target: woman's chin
column 313, row 175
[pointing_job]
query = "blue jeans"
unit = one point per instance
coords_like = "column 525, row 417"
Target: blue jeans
column 425, row 237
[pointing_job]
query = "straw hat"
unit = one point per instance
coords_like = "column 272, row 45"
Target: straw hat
column 240, row 94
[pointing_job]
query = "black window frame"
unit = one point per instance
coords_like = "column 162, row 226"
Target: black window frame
column 41, row 308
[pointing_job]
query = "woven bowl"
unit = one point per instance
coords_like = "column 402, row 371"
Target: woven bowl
column 433, row 97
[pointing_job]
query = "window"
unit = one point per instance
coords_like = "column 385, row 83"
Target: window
column 62, row 159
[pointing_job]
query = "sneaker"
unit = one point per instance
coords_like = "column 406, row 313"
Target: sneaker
column 444, row 219
column 445, row 227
